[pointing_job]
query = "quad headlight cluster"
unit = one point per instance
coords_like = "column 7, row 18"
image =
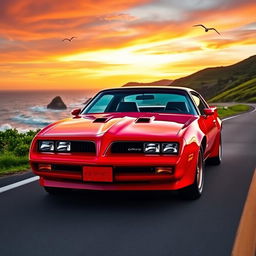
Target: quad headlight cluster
column 51, row 146
column 164, row 148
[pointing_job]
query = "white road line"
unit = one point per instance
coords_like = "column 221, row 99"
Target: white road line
column 227, row 118
column 18, row 184
column 231, row 117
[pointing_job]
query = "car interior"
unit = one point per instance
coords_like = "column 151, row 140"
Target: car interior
column 127, row 107
column 142, row 102
column 171, row 107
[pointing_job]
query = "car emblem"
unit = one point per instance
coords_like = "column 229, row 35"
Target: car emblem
column 134, row 149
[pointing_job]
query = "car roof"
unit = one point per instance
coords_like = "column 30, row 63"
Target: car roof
column 151, row 87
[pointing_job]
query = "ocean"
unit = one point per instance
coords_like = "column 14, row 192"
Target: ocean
column 26, row 110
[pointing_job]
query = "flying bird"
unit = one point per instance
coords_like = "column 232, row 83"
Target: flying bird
column 69, row 39
column 205, row 28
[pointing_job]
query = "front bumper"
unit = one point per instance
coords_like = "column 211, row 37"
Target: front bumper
column 72, row 177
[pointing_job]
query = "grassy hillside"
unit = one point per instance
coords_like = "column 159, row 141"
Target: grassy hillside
column 214, row 81
column 245, row 92
column 230, row 83
column 232, row 110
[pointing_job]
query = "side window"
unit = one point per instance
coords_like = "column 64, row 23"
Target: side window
column 101, row 105
column 200, row 104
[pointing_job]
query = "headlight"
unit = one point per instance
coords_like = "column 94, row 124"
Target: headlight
column 170, row 148
column 151, row 147
column 63, row 146
column 46, row 146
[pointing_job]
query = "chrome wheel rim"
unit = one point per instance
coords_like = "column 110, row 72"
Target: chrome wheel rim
column 220, row 152
column 199, row 173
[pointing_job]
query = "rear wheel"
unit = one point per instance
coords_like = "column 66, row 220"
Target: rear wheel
column 216, row 160
column 195, row 190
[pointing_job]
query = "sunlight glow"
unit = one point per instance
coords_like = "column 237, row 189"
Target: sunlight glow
column 137, row 40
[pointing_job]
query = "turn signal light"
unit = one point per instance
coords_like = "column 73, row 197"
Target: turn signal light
column 44, row 167
column 165, row 170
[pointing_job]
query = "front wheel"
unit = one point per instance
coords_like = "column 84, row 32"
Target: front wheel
column 195, row 190
column 217, row 159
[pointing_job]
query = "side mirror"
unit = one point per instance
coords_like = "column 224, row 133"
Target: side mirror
column 209, row 111
column 75, row 112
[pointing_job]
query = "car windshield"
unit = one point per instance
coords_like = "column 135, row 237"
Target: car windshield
column 159, row 101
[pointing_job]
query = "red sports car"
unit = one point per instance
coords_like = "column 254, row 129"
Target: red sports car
column 131, row 138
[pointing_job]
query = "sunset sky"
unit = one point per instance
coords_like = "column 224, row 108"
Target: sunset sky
column 118, row 41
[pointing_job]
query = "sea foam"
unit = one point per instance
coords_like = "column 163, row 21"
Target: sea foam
column 39, row 109
column 25, row 119
column 42, row 109
column 7, row 126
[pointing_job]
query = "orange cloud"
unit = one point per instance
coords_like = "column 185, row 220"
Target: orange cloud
column 29, row 19
column 120, row 16
column 118, row 41
column 243, row 37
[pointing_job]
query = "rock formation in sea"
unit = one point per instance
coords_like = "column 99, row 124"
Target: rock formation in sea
column 57, row 103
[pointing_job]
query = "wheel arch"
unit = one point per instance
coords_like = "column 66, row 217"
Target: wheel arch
column 203, row 143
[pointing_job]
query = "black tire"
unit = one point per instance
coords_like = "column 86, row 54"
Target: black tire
column 216, row 160
column 54, row 191
column 195, row 190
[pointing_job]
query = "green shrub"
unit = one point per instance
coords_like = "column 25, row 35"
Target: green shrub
column 11, row 138
column 10, row 160
column 14, row 148
column 21, row 150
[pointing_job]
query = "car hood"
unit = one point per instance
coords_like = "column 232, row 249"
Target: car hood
column 122, row 125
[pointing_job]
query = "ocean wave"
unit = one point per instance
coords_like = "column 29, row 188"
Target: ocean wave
column 76, row 105
column 7, row 126
column 25, row 119
column 39, row 109
column 42, row 109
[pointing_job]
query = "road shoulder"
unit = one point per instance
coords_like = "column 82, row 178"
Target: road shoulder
column 245, row 241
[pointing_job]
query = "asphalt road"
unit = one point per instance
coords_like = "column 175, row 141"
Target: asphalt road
column 145, row 223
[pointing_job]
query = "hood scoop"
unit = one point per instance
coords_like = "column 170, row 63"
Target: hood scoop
column 100, row 120
column 144, row 119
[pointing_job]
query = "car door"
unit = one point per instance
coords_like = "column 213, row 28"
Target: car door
column 207, row 123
